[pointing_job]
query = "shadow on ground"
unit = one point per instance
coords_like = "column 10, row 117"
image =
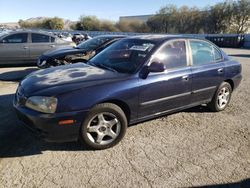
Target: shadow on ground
column 16, row 75
column 240, row 55
column 242, row 184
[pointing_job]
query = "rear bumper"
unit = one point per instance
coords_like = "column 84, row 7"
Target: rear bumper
column 46, row 126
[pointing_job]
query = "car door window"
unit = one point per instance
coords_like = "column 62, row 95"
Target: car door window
column 202, row 52
column 16, row 38
column 172, row 55
column 40, row 38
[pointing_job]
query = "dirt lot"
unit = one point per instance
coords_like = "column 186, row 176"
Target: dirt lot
column 190, row 148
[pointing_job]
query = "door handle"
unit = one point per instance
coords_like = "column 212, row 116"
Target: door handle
column 220, row 70
column 25, row 47
column 185, row 78
column 52, row 46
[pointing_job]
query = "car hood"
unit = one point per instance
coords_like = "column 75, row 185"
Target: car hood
column 65, row 76
column 63, row 51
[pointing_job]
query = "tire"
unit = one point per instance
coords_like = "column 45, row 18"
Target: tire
column 221, row 97
column 104, row 126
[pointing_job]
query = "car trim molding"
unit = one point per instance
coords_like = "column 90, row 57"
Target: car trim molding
column 204, row 89
column 165, row 99
column 176, row 96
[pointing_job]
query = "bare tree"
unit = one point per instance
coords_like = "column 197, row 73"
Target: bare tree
column 241, row 16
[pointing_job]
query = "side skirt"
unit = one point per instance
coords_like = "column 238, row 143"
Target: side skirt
column 153, row 116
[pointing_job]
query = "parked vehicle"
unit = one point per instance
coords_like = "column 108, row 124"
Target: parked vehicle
column 133, row 80
column 81, row 53
column 24, row 47
column 79, row 38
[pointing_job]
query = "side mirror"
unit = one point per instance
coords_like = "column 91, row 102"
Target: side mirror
column 156, row 67
column 3, row 41
column 153, row 67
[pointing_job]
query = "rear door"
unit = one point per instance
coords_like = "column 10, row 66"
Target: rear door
column 14, row 49
column 40, row 43
column 168, row 90
column 207, row 70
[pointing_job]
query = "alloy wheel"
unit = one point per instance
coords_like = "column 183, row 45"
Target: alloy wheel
column 103, row 128
column 223, row 97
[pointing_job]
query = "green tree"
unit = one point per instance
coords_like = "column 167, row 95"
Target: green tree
column 88, row 23
column 219, row 17
column 54, row 23
column 106, row 25
column 48, row 23
column 132, row 26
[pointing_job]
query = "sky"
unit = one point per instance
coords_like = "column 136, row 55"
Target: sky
column 13, row 10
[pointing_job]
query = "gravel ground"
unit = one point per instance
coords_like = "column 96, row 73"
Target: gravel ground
column 190, row 148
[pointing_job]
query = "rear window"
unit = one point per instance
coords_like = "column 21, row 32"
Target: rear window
column 39, row 38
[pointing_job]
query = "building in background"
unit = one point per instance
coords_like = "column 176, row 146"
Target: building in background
column 142, row 18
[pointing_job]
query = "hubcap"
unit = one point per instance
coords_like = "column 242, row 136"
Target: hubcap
column 103, row 128
column 223, row 97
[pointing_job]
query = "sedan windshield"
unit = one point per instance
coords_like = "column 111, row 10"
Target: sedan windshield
column 93, row 43
column 124, row 56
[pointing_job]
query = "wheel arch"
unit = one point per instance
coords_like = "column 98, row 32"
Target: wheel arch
column 231, row 82
column 123, row 105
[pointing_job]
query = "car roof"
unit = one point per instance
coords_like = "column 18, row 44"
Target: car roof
column 112, row 36
column 29, row 31
column 158, row 38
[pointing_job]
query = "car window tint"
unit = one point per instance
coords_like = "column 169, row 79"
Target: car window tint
column 217, row 54
column 202, row 52
column 39, row 38
column 172, row 55
column 16, row 38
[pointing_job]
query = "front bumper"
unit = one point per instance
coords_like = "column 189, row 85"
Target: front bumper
column 46, row 126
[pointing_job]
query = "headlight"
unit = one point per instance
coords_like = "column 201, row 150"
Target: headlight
column 42, row 104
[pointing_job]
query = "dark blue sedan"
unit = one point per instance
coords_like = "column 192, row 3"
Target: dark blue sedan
column 133, row 80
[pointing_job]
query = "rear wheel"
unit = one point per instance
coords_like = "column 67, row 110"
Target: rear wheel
column 104, row 126
column 221, row 98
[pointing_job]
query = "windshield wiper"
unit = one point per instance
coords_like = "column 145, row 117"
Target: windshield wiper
column 106, row 67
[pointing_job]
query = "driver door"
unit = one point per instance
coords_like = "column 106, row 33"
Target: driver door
column 169, row 90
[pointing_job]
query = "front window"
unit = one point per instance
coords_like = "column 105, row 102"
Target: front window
column 124, row 56
column 94, row 43
column 172, row 54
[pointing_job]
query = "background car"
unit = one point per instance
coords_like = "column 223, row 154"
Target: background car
column 133, row 80
column 24, row 47
column 79, row 37
column 81, row 53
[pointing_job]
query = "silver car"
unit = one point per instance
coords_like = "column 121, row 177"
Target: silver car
column 24, row 47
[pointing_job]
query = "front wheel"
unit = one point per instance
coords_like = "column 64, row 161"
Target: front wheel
column 104, row 126
column 221, row 98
